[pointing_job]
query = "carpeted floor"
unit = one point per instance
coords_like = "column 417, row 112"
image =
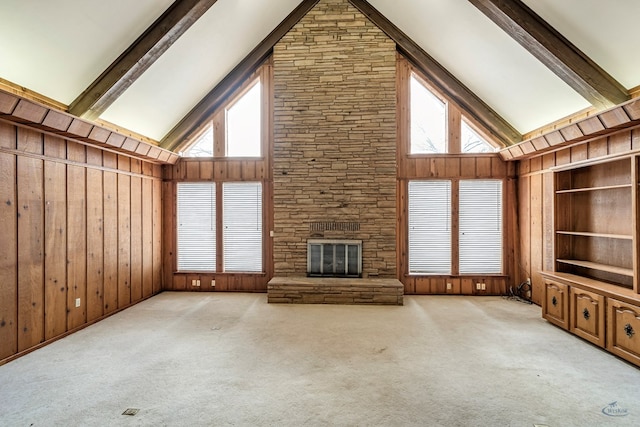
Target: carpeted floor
column 193, row 359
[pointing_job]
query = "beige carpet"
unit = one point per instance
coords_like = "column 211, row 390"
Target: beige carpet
column 198, row 359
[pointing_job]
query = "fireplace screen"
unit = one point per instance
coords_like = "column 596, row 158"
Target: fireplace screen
column 334, row 258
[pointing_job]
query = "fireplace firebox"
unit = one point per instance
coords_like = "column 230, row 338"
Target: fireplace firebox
column 334, row 258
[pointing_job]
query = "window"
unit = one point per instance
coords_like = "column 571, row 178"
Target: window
column 480, row 226
column 430, row 227
column 428, row 120
column 472, row 142
column 433, row 123
column 241, row 214
column 234, row 129
column 242, row 220
column 479, row 222
column 243, row 125
column 196, row 226
column 203, row 144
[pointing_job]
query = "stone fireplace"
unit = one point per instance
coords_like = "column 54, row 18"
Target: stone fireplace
column 335, row 139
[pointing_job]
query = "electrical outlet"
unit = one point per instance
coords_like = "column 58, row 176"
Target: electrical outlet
column 213, row 283
column 484, row 286
column 78, row 300
column 195, row 282
column 529, row 281
column 448, row 286
column 478, row 286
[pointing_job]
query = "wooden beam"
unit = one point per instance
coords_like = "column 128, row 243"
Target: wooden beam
column 441, row 78
column 231, row 82
column 555, row 51
column 138, row 57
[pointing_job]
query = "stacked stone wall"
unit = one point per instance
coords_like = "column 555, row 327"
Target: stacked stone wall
column 335, row 137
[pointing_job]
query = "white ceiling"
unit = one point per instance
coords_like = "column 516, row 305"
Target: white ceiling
column 57, row 48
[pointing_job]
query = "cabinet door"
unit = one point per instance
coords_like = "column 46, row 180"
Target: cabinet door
column 555, row 305
column 623, row 330
column 587, row 315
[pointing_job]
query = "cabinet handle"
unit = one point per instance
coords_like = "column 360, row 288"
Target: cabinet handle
column 628, row 329
column 554, row 301
column 586, row 314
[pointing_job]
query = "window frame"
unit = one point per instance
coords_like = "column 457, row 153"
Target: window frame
column 455, row 228
column 420, row 80
column 218, row 119
column 219, row 229
column 453, row 117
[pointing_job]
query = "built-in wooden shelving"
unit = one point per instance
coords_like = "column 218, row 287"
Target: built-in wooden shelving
column 603, row 235
column 593, row 291
column 604, row 187
column 598, row 266
column 594, row 221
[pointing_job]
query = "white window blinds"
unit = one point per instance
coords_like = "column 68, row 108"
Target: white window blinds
column 196, row 226
column 480, row 226
column 242, row 219
column 430, row 227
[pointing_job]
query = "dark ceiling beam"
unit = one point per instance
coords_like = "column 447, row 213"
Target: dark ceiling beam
column 443, row 79
column 138, row 57
column 214, row 99
column 555, row 51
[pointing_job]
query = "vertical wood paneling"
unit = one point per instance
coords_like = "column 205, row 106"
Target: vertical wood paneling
column 193, row 170
column 95, row 245
column 55, row 238
column 579, row 153
column 60, row 236
column 512, row 240
column 9, row 237
column 110, row 238
column 525, row 228
column 596, row 148
column 30, row 189
column 157, row 237
column 124, row 234
column 168, row 237
column 537, row 241
column 77, row 246
column 136, row 233
column 620, row 142
column 548, row 221
column 147, row 238
column 206, row 170
column 483, row 167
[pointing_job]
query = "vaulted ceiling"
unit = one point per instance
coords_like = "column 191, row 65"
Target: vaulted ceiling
column 59, row 48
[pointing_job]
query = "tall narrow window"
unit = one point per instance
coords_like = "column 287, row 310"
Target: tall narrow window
column 242, row 219
column 428, row 120
column 480, row 226
column 472, row 142
column 243, row 125
column 202, row 146
column 196, row 226
column 430, row 227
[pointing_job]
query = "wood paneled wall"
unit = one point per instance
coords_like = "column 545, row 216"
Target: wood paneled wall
column 536, row 193
column 77, row 224
column 216, row 170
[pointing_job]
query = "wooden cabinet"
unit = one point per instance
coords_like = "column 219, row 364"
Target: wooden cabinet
column 593, row 291
column 587, row 315
column 555, row 305
column 623, row 330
